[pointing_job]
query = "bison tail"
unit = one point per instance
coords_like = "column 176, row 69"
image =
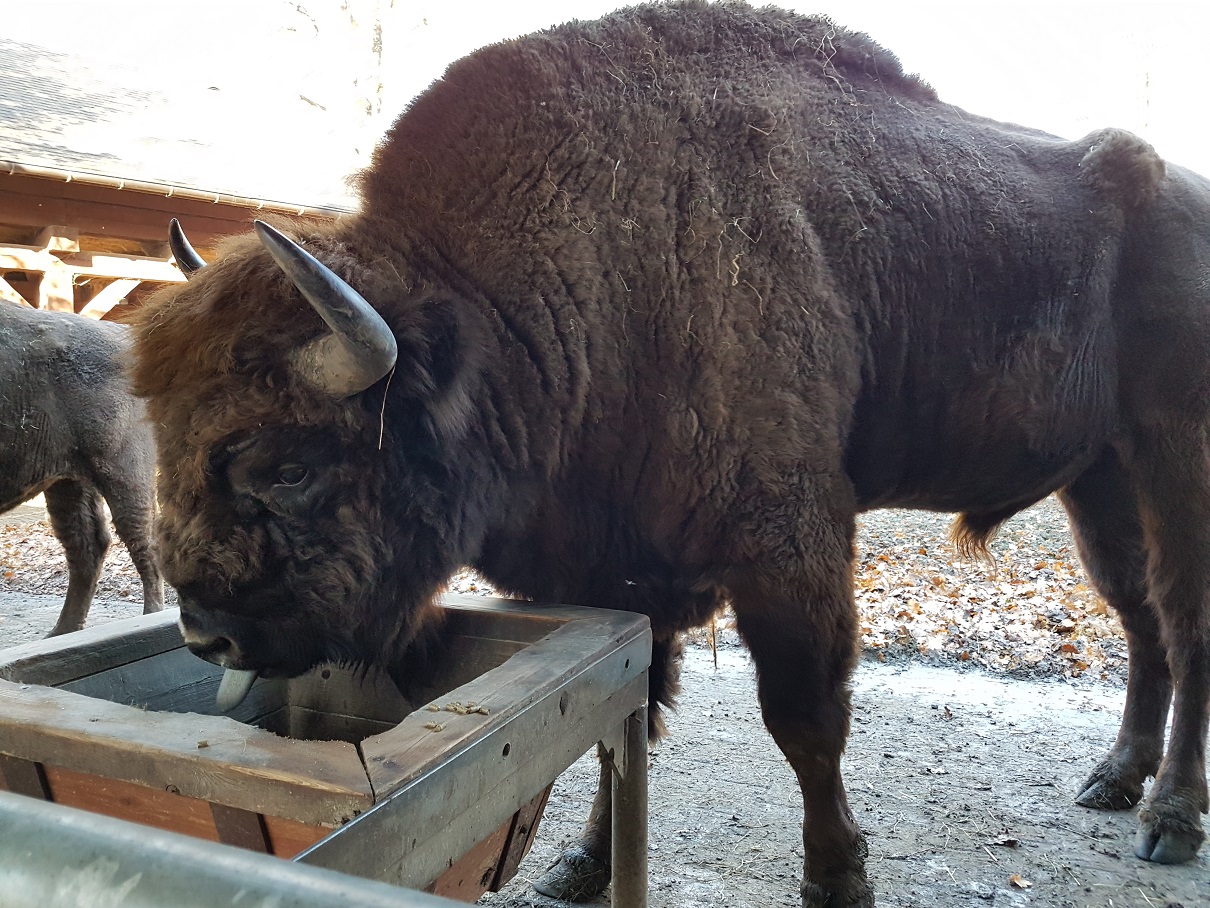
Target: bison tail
column 970, row 533
column 664, row 683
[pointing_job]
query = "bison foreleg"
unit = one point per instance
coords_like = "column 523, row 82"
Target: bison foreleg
column 804, row 648
column 583, row 871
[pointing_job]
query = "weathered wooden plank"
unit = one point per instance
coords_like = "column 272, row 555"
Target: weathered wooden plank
column 24, row 777
column 58, row 239
column 57, row 660
column 209, row 757
column 471, row 875
column 288, row 837
column 406, row 839
column 412, row 747
column 162, row 807
column 241, row 828
column 176, row 681
column 522, row 831
column 108, row 297
column 9, row 294
column 341, row 691
column 313, row 725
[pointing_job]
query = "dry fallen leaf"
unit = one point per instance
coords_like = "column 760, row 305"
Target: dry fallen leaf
column 1019, row 881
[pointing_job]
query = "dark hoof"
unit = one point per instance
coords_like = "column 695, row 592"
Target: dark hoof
column 1167, row 838
column 576, row 877
column 1105, row 790
column 856, row 894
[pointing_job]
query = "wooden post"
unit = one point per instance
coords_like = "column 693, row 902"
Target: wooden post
column 630, row 814
column 56, row 290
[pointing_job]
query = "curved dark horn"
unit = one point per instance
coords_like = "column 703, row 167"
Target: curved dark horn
column 361, row 348
column 186, row 256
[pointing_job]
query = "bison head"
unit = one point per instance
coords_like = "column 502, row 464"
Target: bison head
column 305, row 488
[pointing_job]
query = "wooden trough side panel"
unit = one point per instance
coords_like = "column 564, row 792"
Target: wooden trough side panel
column 175, row 681
column 521, row 837
column 57, row 660
column 413, row 747
column 289, row 837
column 494, row 861
column 165, row 809
column 546, row 706
column 161, row 808
column 208, row 757
column 471, row 875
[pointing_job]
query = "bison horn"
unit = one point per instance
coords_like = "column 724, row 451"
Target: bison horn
column 361, row 348
column 186, row 256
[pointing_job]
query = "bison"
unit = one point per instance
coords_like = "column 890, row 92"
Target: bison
column 639, row 314
column 70, row 428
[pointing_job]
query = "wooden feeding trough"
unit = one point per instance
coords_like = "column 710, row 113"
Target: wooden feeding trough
column 340, row 770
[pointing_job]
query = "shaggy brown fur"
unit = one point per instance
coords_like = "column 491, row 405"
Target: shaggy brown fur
column 677, row 293
column 70, row 428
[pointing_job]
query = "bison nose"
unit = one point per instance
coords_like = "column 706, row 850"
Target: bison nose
column 217, row 648
column 209, row 645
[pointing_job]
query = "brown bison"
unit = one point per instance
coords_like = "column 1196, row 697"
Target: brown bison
column 639, row 314
column 70, row 428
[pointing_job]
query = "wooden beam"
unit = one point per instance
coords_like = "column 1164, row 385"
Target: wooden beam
column 108, row 297
column 100, row 264
column 60, row 271
column 59, row 239
column 25, row 258
column 94, row 210
column 57, row 290
column 8, row 293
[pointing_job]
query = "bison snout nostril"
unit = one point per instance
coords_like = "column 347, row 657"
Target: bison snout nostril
column 211, row 648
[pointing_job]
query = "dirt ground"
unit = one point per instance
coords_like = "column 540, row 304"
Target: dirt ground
column 962, row 779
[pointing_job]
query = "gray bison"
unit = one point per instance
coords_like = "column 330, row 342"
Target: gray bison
column 639, row 314
column 70, row 428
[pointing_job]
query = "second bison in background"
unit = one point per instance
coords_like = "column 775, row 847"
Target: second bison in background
column 71, row 430
column 638, row 314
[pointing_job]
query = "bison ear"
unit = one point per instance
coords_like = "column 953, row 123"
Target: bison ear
column 446, row 356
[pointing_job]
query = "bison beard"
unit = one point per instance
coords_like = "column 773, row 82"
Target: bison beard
column 668, row 299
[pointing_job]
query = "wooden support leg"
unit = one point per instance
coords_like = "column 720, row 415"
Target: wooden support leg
column 630, row 814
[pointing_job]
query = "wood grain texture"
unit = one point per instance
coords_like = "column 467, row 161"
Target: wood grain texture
column 208, row 757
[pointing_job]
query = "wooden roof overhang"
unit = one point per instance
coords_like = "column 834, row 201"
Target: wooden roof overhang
column 95, row 244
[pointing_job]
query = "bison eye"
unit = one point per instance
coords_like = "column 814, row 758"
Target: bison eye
column 291, row 474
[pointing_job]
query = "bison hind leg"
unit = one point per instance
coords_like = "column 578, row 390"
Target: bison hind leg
column 77, row 519
column 1103, row 513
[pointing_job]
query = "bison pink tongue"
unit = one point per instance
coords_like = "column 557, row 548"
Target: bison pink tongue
column 233, row 688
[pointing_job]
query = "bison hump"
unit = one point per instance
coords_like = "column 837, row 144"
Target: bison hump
column 1121, row 167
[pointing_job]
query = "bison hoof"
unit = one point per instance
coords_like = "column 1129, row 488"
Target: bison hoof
column 1167, row 837
column 1105, row 790
column 576, row 877
column 854, row 894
